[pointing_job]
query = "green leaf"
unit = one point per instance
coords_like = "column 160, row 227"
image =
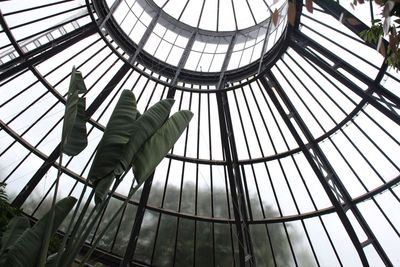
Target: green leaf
column 74, row 138
column 145, row 126
column 102, row 187
column 158, row 145
column 140, row 130
column 15, row 228
column 25, row 251
column 116, row 137
column 77, row 84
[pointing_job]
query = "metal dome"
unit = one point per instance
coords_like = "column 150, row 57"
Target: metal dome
column 291, row 158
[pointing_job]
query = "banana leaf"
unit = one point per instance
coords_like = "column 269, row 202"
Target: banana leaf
column 158, row 145
column 74, row 138
column 26, row 249
column 15, row 228
column 145, row 126
column 116, row 136
column 77, row 83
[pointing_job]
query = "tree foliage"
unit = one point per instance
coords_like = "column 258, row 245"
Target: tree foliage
column 189, row 249
column 7, row 211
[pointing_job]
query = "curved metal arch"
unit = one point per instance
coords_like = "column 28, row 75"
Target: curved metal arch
column 189, row 76
column 379, row 190
column 192, row 77
column 173, row 22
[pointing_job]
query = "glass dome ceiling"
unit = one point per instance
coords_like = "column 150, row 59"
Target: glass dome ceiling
column 182, row 41
column 222, row 15
column 291, row 158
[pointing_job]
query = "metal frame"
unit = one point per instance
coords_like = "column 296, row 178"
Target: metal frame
column 333, row 187
column 246, row 254
column 300, row 41
column 189, row 76
column 377, row 96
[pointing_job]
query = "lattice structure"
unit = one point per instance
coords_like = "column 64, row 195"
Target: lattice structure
column 291, row 158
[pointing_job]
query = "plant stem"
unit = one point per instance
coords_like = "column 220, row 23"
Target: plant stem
column 128, row 198
column 50, row 223
column 80, row 239
column 71, row 223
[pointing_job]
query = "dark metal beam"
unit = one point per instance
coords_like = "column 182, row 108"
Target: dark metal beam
column 299, row 44
column 110, row 13
column 348, row 19
column 222, row 75
column 235, row 184
column 246, row 255
column 304, row 41
column 330, row 181
column 131, row 247
column 184, row 58
column 45, row 51
column 145, row 37
column 282, row 219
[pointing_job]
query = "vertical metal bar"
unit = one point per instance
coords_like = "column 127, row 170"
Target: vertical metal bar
column 182, row 179
column 183, row 10
column 234, row 14
column 130, row 251
column 229, row 211
column 159, row 216
column 131, row 247
column 118, row 227
column 211, row 176
column 235, row 183
column 197, row 176
column 201, row 14
column 217, row 26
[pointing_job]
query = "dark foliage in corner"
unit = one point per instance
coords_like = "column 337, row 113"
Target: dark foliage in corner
column 7, row 211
